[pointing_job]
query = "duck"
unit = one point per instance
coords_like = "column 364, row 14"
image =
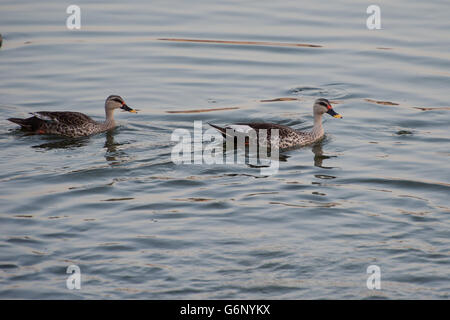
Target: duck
column 287, row 137
column 72, row 124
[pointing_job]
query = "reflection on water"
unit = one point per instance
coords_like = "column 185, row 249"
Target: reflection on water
column 114, row 155
column 63, row 143
column 283, row 155
column 319, row 156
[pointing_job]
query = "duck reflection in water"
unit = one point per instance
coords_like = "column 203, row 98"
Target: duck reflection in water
column 316, row 148
column 113, row 154
column 319, row 156
column 67, row 143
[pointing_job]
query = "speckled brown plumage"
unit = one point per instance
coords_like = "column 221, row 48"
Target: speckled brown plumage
column 287, row 137
column 71, row 124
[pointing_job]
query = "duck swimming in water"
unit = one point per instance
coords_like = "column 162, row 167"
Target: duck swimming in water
column 72, row 124
column 287, row 137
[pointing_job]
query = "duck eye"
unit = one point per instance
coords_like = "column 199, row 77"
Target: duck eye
column 117, row 100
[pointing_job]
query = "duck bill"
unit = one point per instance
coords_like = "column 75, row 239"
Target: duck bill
column 124, row 107
column 333, row 113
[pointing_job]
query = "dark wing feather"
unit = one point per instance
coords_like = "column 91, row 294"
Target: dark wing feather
column 26, row 124
column 64, row 117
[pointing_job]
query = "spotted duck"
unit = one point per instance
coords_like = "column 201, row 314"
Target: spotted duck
column 287, row 137
column 72, row 124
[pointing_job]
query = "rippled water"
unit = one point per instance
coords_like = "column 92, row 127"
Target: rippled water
column 373, row 192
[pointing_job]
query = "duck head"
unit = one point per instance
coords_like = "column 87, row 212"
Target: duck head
column 322, row 106
column 116, row 102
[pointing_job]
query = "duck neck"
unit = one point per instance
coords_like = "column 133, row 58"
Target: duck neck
column 317, row 130
column 109, row 122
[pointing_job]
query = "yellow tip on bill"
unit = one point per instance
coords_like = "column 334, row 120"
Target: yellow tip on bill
column 337, row 116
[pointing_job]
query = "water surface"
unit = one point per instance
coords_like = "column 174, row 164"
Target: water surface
column 373, row 192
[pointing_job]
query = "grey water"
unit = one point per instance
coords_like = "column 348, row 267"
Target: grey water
column 374, row 191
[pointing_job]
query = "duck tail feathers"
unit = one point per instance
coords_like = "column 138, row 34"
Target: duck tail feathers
column 220, row 129
column 24, row 123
